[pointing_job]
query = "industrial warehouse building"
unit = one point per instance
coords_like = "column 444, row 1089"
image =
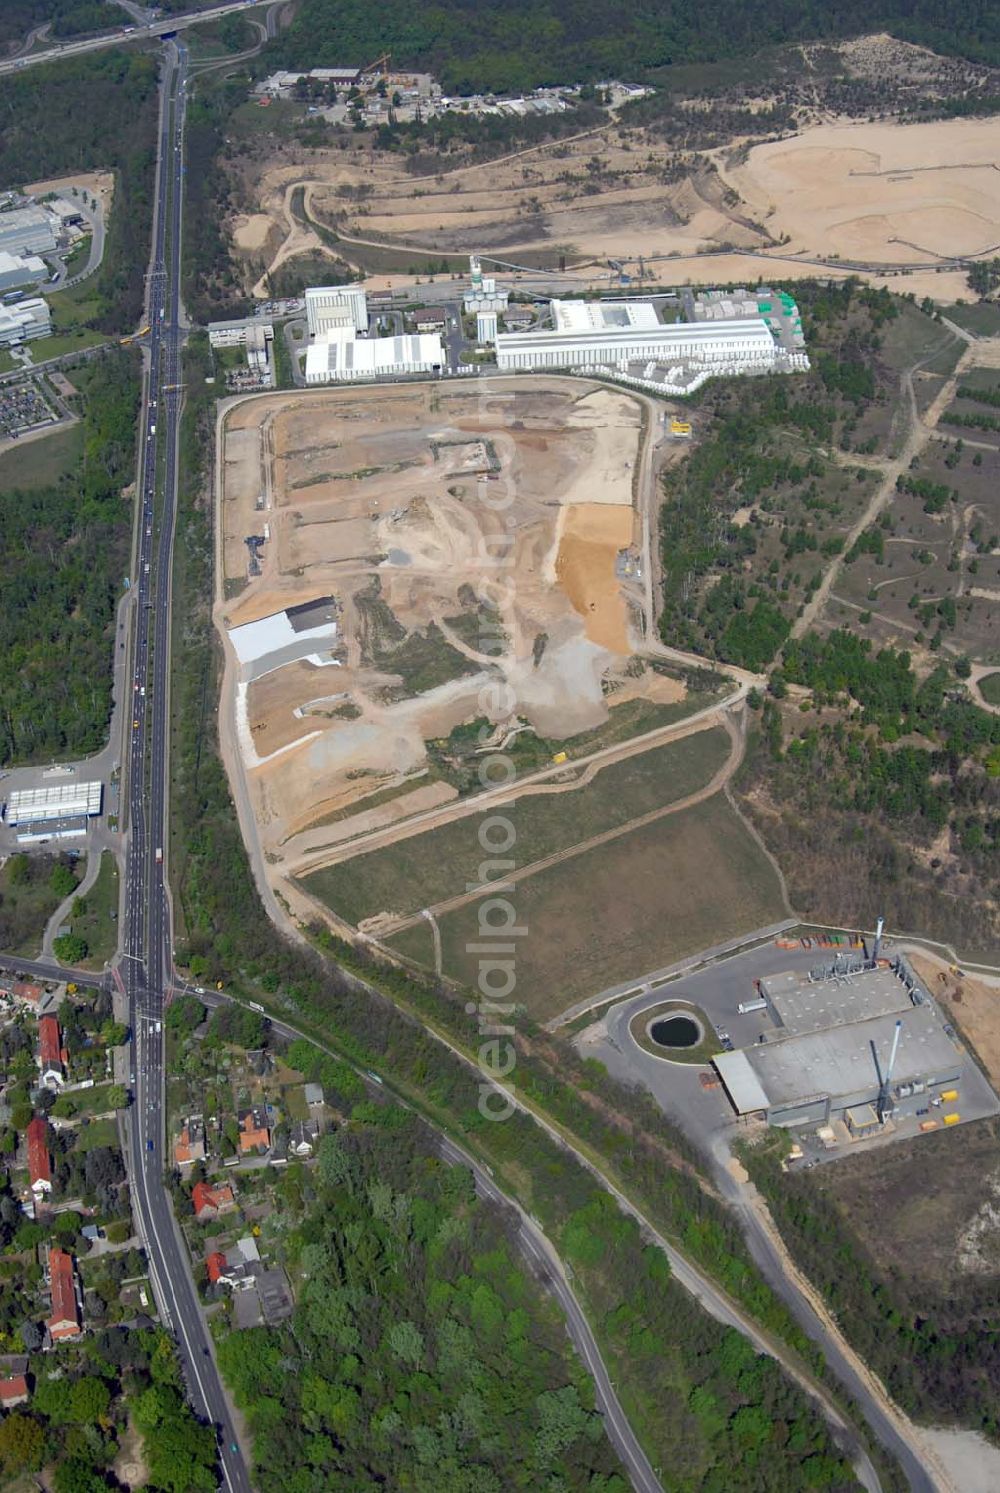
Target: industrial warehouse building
column 330, row 307
column 17, row 270
column 24, row 322
column 308, row 631
column 724, row 346
column 828, row 1056
column 239, row 333
column 343, row 358
column 27, row 230
column 72, row 800
column 603, row 316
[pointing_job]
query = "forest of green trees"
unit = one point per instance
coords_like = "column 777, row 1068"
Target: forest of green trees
column 901, row 761
column 82, row 1406
column 66, row 18
column 421, row 1355
column 508, row 45
column 937, row 1352
column 64, row 553
column 744, row 460
column 85, row 114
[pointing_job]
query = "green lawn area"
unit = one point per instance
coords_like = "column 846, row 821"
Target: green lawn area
column 639, row 903
column 66, row 342
column 989, row 688
column 41, row 463
column 426, row 869
column 97, row 1133
column 71, row 308
column 7, row 363
column 85, row 1101
column 96, row 923
column 982, row 318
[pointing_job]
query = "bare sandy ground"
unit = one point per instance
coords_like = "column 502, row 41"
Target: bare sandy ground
column 879, row 192
column 100, row 184
column 971, row 1462
column 398, row 503
column 883, row 194
column 976, row 1008
column 590, row 536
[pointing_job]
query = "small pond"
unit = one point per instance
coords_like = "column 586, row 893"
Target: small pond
column 676, row 1031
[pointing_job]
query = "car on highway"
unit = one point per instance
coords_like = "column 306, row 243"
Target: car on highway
column 149, row 1145
column 135, row 725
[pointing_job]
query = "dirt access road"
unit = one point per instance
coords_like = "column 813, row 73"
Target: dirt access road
column 920, row 432
column 737, row 741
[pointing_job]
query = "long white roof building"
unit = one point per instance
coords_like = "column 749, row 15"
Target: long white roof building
column 341, row 359
column 742, row 344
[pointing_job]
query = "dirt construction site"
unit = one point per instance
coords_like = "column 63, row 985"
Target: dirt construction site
column 871, row 191
column 421, row 558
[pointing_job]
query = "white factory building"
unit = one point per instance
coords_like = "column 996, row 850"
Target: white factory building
column 70, row 800
column 341, row 357
column 330, row 307
column 17, row 270
column 251, row 333
column 486, row 326
column 603, row 316
column 27, row 230
column 25, row 321
column 725, row 346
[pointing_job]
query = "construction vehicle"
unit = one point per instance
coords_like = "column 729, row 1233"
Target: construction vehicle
column 561, row 757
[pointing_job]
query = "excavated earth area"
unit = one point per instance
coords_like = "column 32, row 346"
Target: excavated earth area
column 451, row 540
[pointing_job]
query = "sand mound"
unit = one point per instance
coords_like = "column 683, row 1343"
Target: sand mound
column 590, row 536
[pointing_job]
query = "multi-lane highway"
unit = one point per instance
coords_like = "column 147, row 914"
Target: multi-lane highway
column 168, row 25
column 145, row 964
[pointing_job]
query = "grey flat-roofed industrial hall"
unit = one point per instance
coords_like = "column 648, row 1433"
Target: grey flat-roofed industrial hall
column 801, row 1006
column 839, row 1064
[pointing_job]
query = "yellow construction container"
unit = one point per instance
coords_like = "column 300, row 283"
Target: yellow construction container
column 949, row 1094
column 952, row 1119
column 680, row 427
column 561, row 757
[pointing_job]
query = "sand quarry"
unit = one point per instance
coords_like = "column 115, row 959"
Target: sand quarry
column 886, row 192
column 878, row 194
column 468, row 538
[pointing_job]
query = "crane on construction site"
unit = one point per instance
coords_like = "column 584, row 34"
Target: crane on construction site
column 384, row 63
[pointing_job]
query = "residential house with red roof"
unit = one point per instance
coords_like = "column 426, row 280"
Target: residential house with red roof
column 39, row 1160
column 190, row 1146
column 209, row 1202
column 65, row 1319
column 254, row 1132
column 13, row 1391
column 51, row 1057
column 215, row 1264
